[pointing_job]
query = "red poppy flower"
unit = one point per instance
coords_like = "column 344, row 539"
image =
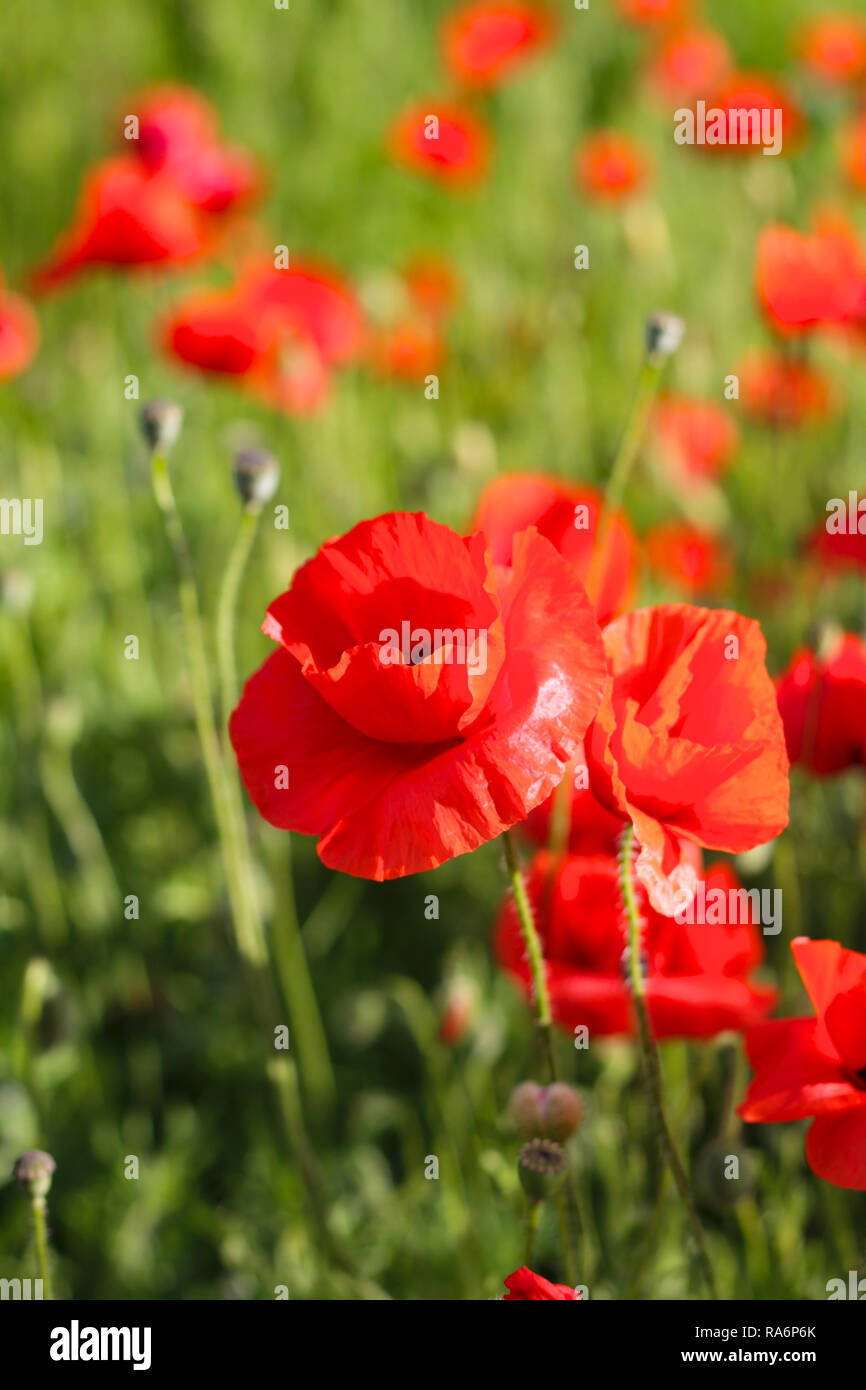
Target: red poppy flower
column 568, row 515
column 654, row 11
column 804, row 281
column 698, row 977
column 126, row 217
column 688, row 743
column 443, row 141
column 688, row 557
column 609, row 166
column 698, row 437
column 19, row 334
column 278, row 331
column 593, row 829
column 690, row 63
column 524, row 1286
column 177, row 135
column 486, row 40
column 750, row 91
column 419, row 702
column 834, row 47
column 780, row 392
column 815, row 1068
column 841, row 550
column 822, row 701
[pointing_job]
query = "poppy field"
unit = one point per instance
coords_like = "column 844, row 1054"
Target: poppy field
column 433, row 650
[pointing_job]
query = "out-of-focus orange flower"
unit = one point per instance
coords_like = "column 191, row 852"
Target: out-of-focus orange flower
column 833, row 46
column 568, row 516
column 698, row 436
column 178, row 135
column 610, row 166
column 804, row 281
column 19, row 334
column 781, row 392
column 126, row 217
column 433, row 284
column 411, row 349
column 853, row 142
column 691, row 559
column 442, row 140
column 654, row 11
column 484, row 41
column 754, row 91
column 689, row 63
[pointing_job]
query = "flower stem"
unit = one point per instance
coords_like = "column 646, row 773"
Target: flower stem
column 534, row 953
column 626, row 454
column 245, row 918
column 40, row 1241
column 532, row 1217
column 650, row 1057
column 292, row 971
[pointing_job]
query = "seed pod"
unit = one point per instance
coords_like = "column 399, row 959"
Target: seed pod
column 160, row 422
column 34, row 1170
column 541, row 1167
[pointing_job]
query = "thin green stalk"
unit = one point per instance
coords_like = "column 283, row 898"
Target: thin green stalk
column 292, row 969
column 226, row 609
column 534, row 953
column 650, row 1058
column 532, row 1217
column 247, row 924
column 40, row 1242
column 626, row 454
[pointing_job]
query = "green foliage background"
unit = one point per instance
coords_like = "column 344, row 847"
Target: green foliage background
column 137, row 1037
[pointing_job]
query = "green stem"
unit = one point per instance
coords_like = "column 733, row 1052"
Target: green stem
column 40, row 1241
column 245, row 918
column 534, row 953
column 532, row 1217
column 626, row 454
column 226, row 608
column 650, row 1057
column 292, row 970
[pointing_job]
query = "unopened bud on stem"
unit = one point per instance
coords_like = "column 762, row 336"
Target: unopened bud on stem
column 160, row 423
column 257, row 477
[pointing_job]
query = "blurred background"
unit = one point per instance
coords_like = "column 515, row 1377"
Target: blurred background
column 136, row 1037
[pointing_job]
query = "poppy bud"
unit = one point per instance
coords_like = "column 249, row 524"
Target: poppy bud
column 541, row 1167
column 257, row 476
column 664, row 333
column 160, row 422
column 548, row 1112
column 34, row 1170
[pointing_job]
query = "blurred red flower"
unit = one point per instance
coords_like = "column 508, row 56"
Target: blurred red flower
column 177, row 136
column 779, row 391
column 401, row 760
column 19, row 334
column 754, row 91
column 484, row 41
column 698, row 976
column 804, row 281
column 816, row 1067
column 433, row 284
column 126, row 217
column 409, row 344
column 689, row 63
column 524, row 1286
column 840, row 550
column 833, row 46
column 689, row 557
column 822, row 701
column 698, row 436
column 688, row 743
column 278, row 331
column 609, row 166
column 568, row 515
column 443, row 141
